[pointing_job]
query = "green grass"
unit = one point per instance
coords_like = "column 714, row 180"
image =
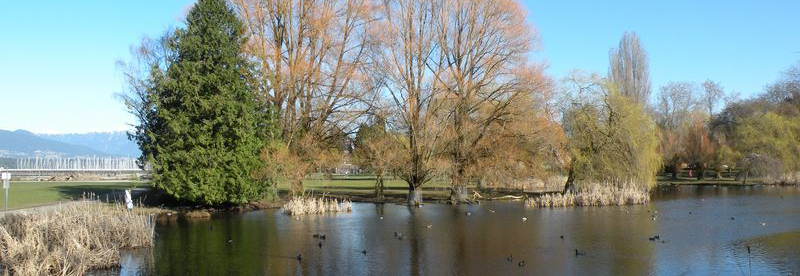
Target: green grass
column 364, row 185
column 24, row 194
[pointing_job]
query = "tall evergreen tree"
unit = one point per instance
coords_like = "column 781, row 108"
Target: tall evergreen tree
column 208, row 126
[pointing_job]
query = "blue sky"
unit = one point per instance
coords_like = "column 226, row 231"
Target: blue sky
column 58, row 75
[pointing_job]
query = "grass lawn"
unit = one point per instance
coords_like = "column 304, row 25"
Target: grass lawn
column 23, row 194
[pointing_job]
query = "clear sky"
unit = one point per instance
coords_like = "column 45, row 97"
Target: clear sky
column 58, row 75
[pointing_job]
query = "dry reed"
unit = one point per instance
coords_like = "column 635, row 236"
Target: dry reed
column 593, row 195
column 312, row 205
column 70, row 240
column 791, row 178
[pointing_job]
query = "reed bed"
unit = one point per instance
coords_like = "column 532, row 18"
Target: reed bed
column 72, row 239
column 595, row 195
column 792, row 178
column 302, row 205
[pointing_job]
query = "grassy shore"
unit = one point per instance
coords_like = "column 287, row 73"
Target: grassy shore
column 26, row 194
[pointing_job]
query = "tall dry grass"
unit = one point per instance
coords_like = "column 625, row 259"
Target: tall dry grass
column 72, row 239
column 593, row 195
column 791, row 178
column 308, row 204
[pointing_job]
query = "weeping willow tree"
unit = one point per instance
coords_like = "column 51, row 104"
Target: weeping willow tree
column 611, row 139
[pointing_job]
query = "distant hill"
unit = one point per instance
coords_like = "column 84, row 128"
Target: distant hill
column 21, row 143
column 115, row 143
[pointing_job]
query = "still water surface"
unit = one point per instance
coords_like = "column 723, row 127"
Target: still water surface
column 702, row 230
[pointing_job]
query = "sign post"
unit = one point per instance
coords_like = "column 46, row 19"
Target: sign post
column 5, row 176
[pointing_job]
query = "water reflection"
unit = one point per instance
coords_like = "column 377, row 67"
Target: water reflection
column 615, row 239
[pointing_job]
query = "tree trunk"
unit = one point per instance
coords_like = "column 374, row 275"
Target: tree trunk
column 569, row 185
column 458, row 194
column 379, row 186
column 675, row 171
column 297, row 187
column 746, row 173
column 700, row 172
column 414, row 195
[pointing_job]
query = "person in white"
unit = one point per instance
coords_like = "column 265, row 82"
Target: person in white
column 128, row 200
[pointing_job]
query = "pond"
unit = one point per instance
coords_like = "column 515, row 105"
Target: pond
column 702, row 230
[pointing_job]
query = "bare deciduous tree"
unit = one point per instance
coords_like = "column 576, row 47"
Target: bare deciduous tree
column 408, row 72
column 629, row 68
column 713, row 93
column 482, row 49
column 311, row 60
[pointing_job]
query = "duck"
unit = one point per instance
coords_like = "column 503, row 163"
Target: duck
column 491, row 211
column 315, row 235
column 522, row 263
column 732, row 218
column 429, row 226
column 510, row 258
column 364, row 252
column 322, row 237
column 524, row 219
column 468, row 213
column 579, row 253
column 319, row 244
column 230, row 240
column 562, row 237
column 299, row 257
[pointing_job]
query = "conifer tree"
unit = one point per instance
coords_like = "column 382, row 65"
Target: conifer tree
column 208, row 125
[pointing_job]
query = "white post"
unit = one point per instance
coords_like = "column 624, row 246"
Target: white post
column 5, row 177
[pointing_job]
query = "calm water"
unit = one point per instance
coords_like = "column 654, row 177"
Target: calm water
column 615, row 239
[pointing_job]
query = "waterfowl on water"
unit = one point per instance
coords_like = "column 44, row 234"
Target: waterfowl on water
column 299, row 257
column 230, row 240
column 579, row 253
column 468, row 213
column 732, row 218
column 315, row 235
column 364, row 252
column 522, row 263
column 562, row 237
column 320, row 244
column 491, row 211
column 510, row 258
column 429, row 226
column 524, row 219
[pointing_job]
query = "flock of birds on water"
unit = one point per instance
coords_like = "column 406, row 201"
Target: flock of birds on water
column 510, row 258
